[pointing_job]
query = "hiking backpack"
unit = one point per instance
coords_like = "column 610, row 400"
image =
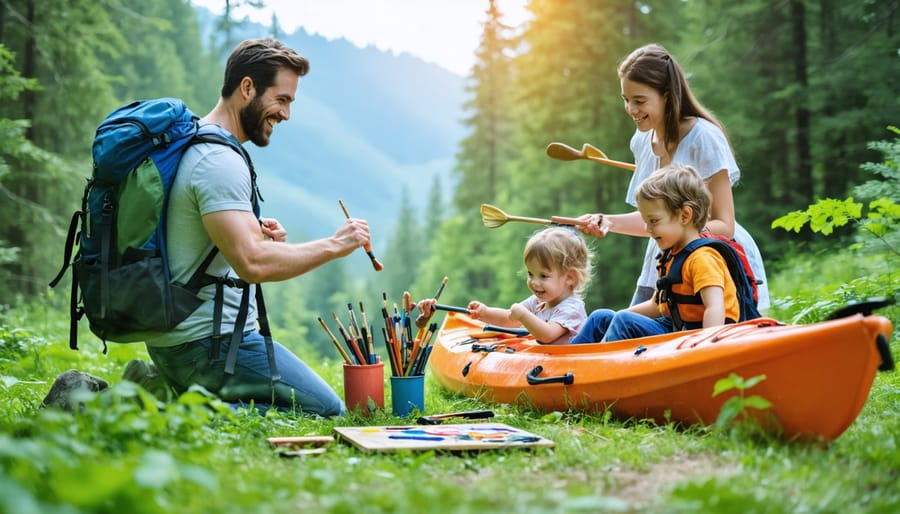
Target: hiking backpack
column 738, row 266
column 121, row 279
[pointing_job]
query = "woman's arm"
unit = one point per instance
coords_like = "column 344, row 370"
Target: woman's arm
column 599, row 225
column 721, row 216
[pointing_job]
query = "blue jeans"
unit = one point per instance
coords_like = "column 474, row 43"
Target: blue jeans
column 606, row 325
column 299, row 387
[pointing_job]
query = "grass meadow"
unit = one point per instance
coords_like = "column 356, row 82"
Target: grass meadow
column 128, row 452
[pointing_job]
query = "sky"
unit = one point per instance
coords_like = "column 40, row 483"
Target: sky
column 444, row 32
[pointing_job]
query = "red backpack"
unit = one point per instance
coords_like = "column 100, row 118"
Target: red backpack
column 742, row 257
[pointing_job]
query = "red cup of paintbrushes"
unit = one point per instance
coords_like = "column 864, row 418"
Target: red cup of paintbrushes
column 364, row 387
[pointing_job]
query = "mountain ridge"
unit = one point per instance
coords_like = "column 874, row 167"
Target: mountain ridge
column 366, row 123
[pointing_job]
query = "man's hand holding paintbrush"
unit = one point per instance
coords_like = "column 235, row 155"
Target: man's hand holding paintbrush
column 367, row 246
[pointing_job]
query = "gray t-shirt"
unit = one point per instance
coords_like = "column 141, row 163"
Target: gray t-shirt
column 570, row 313
column 211, row 178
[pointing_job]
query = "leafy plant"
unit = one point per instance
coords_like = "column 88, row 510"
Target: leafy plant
column 881, row 218
column 882, row 215
column 737, row 406
column 889, row 169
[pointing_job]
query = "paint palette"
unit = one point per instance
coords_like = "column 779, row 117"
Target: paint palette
column 460, row 437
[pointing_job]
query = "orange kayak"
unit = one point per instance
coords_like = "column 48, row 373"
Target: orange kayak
column 817, row 376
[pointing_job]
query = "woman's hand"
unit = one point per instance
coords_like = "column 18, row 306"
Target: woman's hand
column 594, row 225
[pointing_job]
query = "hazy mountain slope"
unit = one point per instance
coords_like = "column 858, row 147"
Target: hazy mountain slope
column 365, row 124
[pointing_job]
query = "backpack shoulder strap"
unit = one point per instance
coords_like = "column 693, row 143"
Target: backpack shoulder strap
column 211, row 133
column 674, row 276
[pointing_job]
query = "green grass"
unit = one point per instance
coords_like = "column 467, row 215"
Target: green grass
column 196, row 455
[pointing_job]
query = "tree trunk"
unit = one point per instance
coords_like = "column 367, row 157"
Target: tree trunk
column 29, row 69
column 804, row 186
column 831, row 143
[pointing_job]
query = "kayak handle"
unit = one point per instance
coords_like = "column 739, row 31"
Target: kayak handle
column 520, row 332
column 884, row 350
column 533, row 378
column 865, row 307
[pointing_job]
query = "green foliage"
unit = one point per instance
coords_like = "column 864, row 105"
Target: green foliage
column 822, row 216
column 109, row 456
column 882, row 216
column 12, row 84
column 737, row 407
column 889, row 169
column 813, row 282
column 24, row 168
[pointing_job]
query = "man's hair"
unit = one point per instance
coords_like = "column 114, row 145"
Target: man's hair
column 678, row 185
column 562, row 249
column 260, row 59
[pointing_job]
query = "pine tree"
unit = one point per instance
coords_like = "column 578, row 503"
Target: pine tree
column 462, row 250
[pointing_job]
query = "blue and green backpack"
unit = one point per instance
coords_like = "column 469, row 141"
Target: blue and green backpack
column 121, row 278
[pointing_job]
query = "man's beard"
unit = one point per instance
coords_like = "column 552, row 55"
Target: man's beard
column 253, row 122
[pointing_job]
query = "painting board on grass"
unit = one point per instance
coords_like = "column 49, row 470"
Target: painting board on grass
column 459, row 437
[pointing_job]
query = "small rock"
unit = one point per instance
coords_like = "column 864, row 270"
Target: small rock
column 67, row 385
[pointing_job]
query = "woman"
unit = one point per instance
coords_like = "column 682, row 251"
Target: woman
column 673, row 127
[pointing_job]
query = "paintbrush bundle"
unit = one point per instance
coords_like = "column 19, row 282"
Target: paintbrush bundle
column 408, row 353
column 357, row 336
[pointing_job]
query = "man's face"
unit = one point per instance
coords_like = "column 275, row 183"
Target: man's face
column 272, row 106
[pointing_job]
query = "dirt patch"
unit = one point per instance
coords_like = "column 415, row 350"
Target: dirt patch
column 642, row 487
column 637, row 488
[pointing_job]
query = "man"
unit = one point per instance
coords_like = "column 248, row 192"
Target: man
column 211, row 205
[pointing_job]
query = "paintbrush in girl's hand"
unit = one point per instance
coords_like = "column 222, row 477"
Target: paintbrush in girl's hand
column 450, row 308
column 422, row 320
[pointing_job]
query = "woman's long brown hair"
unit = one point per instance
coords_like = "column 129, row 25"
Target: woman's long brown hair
column 653, row 66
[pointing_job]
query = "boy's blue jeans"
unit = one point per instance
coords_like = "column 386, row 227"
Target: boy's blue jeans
column 299, row 387
column 606, row 325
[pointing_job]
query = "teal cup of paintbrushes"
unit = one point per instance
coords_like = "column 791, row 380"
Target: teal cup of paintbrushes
column 407, row 395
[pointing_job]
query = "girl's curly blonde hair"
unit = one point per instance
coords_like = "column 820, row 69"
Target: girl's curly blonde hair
column 562, row 249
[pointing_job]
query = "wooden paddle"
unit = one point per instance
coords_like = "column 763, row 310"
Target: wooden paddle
column 494, row 217
column 564, row 152
column 591, row 151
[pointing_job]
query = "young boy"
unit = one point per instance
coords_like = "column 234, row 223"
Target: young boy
column 674, row 203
